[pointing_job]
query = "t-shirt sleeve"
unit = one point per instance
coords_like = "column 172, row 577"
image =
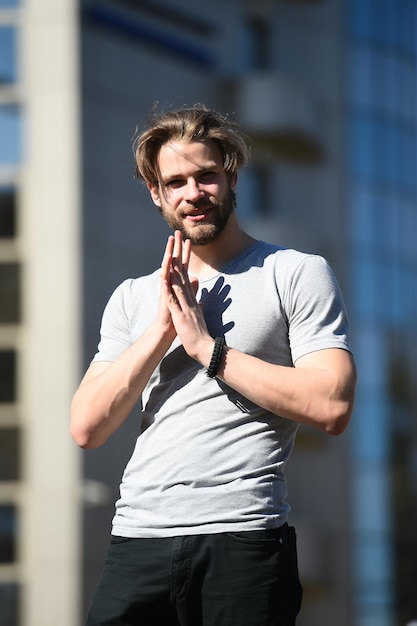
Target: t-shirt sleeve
column 317, row 318
column 115, row 336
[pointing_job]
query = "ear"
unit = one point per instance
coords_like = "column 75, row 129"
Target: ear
column 154, row 191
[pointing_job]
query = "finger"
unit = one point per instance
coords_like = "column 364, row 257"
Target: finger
column 177, row 252
column 186, row 251
column 174, row 300
column 167, row 258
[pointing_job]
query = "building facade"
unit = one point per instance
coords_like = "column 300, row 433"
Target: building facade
column 326, row 91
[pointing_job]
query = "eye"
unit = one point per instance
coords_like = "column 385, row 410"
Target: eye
column 207, row 177
column 175, row 183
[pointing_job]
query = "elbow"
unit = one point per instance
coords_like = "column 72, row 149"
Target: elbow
column 340, row 407
column 80, row 431
column 81, row 440
column 338, row 417
column 81, row 437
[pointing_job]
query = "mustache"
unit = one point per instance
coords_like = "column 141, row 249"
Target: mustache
column 204, row 204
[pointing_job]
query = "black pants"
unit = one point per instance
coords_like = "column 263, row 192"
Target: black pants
column 234, row 579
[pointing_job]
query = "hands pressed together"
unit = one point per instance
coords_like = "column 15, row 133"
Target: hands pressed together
column 178, row 304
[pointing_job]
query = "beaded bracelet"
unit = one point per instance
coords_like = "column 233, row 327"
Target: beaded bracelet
column 216, row 357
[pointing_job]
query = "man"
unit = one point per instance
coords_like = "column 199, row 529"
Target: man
column 229, row 346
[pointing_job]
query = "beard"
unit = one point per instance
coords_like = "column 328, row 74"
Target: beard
column 206, row 231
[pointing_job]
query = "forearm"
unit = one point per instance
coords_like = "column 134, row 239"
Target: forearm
column 317, row 396
column 104, row 400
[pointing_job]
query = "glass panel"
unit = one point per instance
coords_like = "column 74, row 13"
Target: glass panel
column 360, row 147
column 405, row 90
column 383, row 86
column 360, row 17
column 9, row 454
column 360, row 77
column 409, row 223
column 7, row 212
column 9, row 604
column 370, row 435
column 383, row 19
column 365, row 286
column 7, row 533
column 362, row 218
column 9, row 293
column 258, row 42
column 383, row 148
column 372, row 497
column 7, row 376
column 405, row 145
column 253, row 195
column 9, row 133
column 387, row 225
column 7, row 54
column 404, row 31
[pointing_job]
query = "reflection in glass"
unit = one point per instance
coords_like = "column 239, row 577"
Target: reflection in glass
column 7, row 54
column 9, row 133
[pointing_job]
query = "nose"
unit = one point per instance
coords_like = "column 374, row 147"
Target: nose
column 193, row 191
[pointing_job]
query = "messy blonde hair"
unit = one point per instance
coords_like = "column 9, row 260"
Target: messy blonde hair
column 189, row 124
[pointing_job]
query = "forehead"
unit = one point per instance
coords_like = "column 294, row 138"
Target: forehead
column 180, row 157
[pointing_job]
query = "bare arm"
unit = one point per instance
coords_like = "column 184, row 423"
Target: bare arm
column 109, row 391
column 318, row 391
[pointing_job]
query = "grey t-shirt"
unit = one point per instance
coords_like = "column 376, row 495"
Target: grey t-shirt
column 207, row 459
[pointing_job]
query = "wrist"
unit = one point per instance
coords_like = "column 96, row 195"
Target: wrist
column 216, row 357
column 165, row 331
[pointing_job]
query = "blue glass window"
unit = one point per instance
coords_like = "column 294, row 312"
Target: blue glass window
column 409, row 225
column 372, row 497
column 365, row 279
column 360, row 17
column 9, row 3
column 383, row 20
column 404, row 90
column 7, row 54
column 405, row 157
column 383, row 148
column 360, row 147
column 360, row 76
column 9, row 133
column 383, row 72
column 369, row 431
column 405, row 16
column 362, row 222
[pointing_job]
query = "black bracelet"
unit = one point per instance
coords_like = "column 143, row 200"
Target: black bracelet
column 216, row 357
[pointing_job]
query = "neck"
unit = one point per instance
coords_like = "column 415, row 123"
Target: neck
column 212, row 256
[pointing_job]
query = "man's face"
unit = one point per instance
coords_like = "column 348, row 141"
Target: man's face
column 194, row 194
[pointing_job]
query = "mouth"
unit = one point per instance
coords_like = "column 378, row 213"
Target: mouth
column 198, row 215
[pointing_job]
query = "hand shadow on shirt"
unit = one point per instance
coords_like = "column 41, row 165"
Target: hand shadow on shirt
column 177, row 369
column 215, row 303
